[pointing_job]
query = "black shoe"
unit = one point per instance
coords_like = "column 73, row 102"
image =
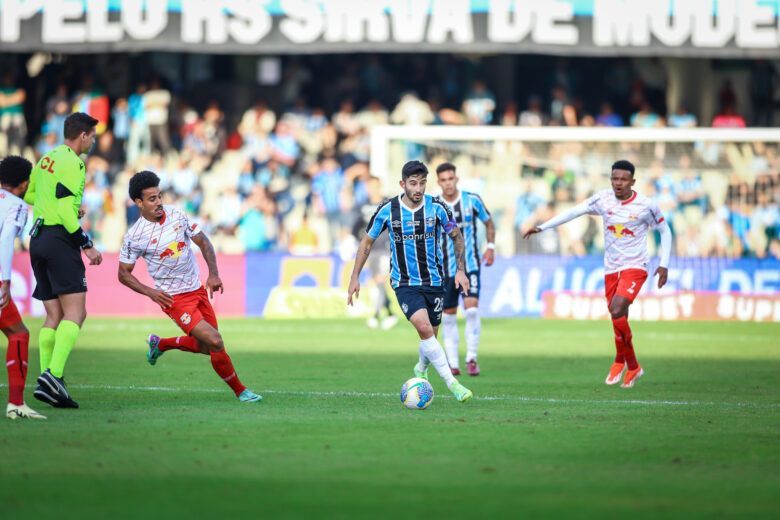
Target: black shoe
column 44, row 397
column 55, row 388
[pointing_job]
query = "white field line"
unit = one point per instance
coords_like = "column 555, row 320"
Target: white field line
column 510, row 398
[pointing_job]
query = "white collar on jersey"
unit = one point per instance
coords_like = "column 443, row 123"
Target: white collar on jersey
column 454, row 202
column 401, row 201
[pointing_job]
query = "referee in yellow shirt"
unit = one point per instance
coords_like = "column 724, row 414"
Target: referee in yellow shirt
column 56, row 188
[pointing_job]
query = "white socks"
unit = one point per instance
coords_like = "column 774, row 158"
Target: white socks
column 473, row 330
column 431, row 350
column 451, row 339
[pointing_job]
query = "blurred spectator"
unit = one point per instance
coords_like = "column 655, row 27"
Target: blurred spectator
column 258, row 120
column 326, row 187
column 728, row 118
column 156, row 105
column 411, row 110
column 532, row 115
column 120, row 115
column 607, row 116
column 139, row 140
column 13, row 126
column 372, row 115
column 646, row 118
column 345, row 120
column 479, row 105
column 682, row 118
column 304, row 241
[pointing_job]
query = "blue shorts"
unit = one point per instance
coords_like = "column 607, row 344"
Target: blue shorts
column 452, row 293
column 412, row 299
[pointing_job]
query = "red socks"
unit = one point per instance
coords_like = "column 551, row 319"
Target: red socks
column 623, row 342
column 16, row 363
column 224, row 367
column 184, row 343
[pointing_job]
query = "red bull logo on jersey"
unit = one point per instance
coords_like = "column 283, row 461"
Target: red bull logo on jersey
column 173, row 250
column 619, row 230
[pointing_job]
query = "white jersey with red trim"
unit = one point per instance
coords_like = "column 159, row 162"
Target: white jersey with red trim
column 165, row 246
column 13, row 217
column 626, row 223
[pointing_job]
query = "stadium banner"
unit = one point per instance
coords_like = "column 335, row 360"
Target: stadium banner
column 681, row 306
column 284, row 286
column 718, row 28
column 107, row 297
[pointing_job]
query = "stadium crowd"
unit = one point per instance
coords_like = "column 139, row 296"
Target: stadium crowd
column 298, row 179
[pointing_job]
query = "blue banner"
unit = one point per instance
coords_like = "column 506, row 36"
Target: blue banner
column 512, row 287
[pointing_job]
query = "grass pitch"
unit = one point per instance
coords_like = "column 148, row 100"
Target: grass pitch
column 698, row 436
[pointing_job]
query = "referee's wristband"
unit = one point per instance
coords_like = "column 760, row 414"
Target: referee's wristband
column 81, row 239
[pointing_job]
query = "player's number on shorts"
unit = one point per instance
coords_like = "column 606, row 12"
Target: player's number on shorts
column 439, row 304
column 631, row 289
column 474, row 280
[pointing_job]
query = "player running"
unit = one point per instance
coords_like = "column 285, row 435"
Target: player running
column 414, row 222
column 627, row 218
column 56, row 189
column 467, row 208
column 162, row 238
column 14, row 180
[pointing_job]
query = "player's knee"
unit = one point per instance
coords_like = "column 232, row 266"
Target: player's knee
column 617, row 311
column 425, row 331
column 215, row 343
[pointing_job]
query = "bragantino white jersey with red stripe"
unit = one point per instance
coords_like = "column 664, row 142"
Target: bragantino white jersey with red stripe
column 165, row 246
column 626, row 223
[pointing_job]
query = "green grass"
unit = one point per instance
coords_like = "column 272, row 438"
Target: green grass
column 698, row 436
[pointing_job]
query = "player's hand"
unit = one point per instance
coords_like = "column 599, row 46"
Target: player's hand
column 214, row 284
column 489, row 257
column 354, row 288
column 95, row 258
column 462, row 281
column 5, row 294
column 534, row 230
column 82, row 212
column 163, row 299
column 663, row 274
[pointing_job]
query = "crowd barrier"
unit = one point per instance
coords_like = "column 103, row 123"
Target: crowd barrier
column 275, row 285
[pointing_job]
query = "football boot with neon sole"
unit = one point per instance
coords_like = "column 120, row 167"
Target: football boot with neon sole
column 631, row 377
column 615, row 373
column 461, row 393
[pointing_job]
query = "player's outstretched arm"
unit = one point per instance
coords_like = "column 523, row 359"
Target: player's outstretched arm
column 213, row 282
column 666, row 251
column 461, row 280
column 126, row 278
column 577, row 211
column 364, row 249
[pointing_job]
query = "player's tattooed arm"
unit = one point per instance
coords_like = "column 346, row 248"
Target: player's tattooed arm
column 490, row 235
column 213, row 282
column 461, row 280
column 364, row 249
column 127, row 278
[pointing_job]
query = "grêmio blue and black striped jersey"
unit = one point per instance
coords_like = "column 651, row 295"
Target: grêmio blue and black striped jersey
column 415, row 239
column 466, row 209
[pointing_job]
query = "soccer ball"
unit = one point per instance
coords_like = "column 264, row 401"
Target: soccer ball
column 417, row 394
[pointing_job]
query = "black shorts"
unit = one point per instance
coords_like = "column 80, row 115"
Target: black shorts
column 56, row 264
column 452, row 293
column 412, row 299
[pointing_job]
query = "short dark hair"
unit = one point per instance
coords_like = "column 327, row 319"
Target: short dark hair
column 445, row 167
column 140, row 181
column 14, row 170
column 413, row 168
column 624, row 165
column 78, row 122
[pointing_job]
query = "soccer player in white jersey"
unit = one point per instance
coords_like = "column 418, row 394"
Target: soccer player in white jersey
column 14, row 180
column 467, row 208
column 162, row 238
column 627, row 218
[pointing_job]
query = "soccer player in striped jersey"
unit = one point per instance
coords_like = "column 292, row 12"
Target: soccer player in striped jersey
column 162, row 237
column 627, row 218
column 14, row 180
column 467, row 208
column 415, row 222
